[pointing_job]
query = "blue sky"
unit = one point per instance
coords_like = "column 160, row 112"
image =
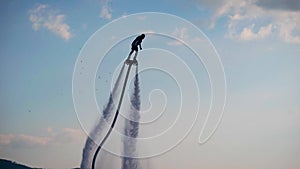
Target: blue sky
column 258, row 43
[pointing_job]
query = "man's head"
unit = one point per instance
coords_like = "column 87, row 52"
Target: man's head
column 142, row 36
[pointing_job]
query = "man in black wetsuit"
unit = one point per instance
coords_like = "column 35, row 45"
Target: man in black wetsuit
column 134, row 46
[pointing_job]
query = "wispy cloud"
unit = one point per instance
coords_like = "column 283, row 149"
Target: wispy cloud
column 249, row 34
column 43, row 16
column 68, row 135
column 106, row 10
column 23, row 140
column 6, row 139
column 182, row 36
column 252, row 20
column 64, row 136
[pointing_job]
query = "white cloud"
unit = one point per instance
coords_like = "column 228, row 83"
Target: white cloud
column 31, row 140
column 35, row 18
column 181, row 33
column 106, row 10
column 65, row 136
column 241, row 15
column 182, row 36
column 6, row 139
column 68, row 135
column 288, row 26
column 248, row 34
column 42, row 16
column 23, row 140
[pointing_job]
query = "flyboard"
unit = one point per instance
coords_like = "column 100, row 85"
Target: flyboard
column 129, row 63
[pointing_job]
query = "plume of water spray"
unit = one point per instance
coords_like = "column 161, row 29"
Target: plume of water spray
column 132, row 128
column 90, row 145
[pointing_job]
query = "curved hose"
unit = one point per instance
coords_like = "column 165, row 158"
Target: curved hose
column 114, row 120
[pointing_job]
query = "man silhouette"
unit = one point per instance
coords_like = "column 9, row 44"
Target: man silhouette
column 134, row 47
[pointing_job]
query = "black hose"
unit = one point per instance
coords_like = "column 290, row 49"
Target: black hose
column 114, row 121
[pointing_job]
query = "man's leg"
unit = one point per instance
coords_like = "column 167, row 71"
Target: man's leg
column 136, row 53
column 128, row 58
column 134, row 58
